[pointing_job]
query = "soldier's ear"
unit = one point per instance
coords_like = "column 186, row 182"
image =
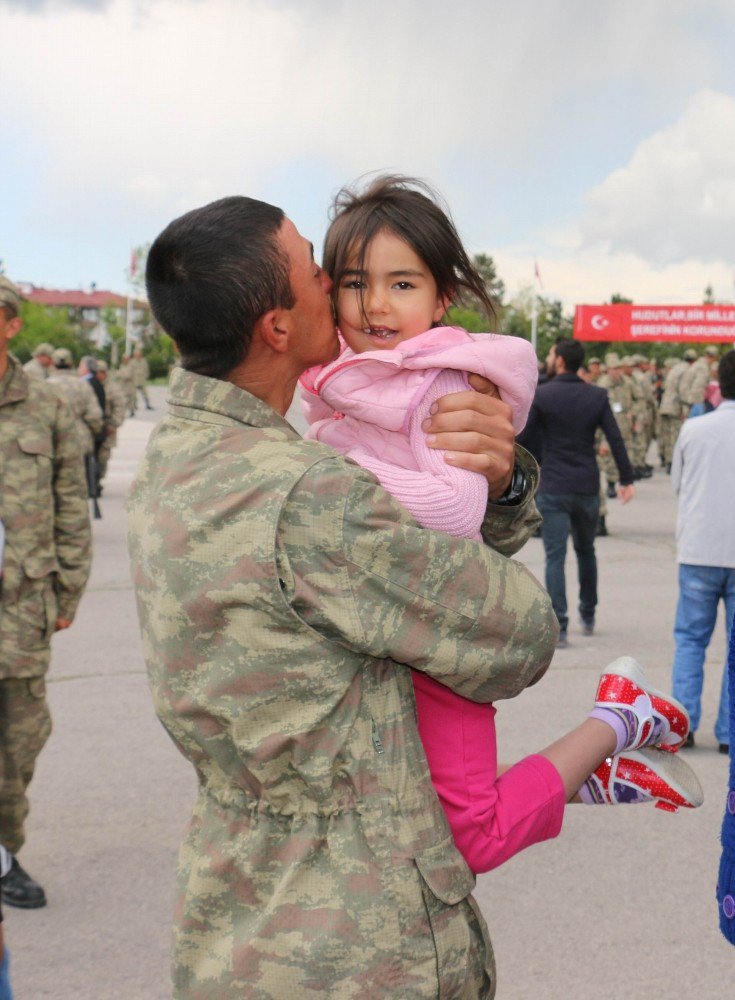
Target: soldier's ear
column 274, row 329
column 13, row 326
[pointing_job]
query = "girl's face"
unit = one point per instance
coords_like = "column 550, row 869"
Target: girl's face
column 391, row 300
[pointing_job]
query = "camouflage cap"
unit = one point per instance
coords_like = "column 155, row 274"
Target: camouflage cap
column 594, row 361
column 627, row 360
column 690, row 354
column 640, row 359
column 712, row 351
column 9, row 293
column 101, row 365
column 43, row 350
column 612, row 360
column 670, row 362
column 62, row 356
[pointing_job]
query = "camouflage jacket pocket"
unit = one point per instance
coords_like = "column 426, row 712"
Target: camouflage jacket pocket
column 446, row 881
column 35, row 472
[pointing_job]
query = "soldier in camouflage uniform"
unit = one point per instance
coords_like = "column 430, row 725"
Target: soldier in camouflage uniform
column 41, row 364
column 125, row 378
column 694, row 381
column 282, row 593
column 621, row 403
column 43, row 509
column 81, row 399
column 671, row 410
column 638, row 417
column 115, row 407
column 141, row 374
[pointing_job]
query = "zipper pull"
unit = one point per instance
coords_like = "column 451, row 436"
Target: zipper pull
column 379, row 748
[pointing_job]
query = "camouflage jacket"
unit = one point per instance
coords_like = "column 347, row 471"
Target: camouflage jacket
column 141, row 371
column 115, row 404
column 35, row 369
column 694, row 381
column 83, row 402
column 671, row 402
column 280, row 591
column 43, row 506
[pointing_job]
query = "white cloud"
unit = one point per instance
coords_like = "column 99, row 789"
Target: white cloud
column 675, row 199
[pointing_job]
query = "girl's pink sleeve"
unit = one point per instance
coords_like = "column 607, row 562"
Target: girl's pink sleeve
column 439, row 496
column 491, row 818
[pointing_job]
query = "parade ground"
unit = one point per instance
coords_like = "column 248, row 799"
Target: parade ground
column 620, row 907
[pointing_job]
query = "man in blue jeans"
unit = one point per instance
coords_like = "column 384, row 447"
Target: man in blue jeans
column 564, row 418
column 703, row 475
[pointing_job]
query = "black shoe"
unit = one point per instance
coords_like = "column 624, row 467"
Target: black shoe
column 602, row 531
column 611, row 491
column 19, row 889
column 668, row 468
column 688, row 742
column 562, row 642
column 724, row 748
column 588, row 627
column 149, row 407
column 646, row 472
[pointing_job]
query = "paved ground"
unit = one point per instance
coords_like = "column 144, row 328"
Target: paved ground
column 621, row 907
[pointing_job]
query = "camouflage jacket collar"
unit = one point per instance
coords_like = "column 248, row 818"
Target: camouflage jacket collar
column 199, row 392
column 16, row 386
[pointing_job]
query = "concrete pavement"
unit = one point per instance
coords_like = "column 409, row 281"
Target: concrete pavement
column 620, row 907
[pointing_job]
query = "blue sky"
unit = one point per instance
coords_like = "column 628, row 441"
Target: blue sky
column 597, row 138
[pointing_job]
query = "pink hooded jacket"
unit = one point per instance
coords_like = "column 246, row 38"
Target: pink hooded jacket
column 371, row 406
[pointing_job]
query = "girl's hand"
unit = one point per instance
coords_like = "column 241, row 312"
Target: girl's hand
column 474, row 428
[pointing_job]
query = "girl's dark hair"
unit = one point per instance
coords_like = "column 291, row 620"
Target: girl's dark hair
column 413, row 211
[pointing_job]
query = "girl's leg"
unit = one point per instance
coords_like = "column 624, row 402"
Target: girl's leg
column 579, row 753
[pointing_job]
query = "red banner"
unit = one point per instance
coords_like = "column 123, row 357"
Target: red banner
column 669, row 323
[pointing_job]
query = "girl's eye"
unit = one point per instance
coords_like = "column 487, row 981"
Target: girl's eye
column 403, row 286
column 354, row 284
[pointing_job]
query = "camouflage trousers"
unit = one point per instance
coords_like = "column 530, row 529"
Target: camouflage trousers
column 25, row 725
column 669, row 428
column 103, row 455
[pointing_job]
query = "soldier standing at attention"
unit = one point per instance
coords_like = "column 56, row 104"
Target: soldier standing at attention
column 115, row 407
column 41, row 364
column 43, row 509
column 81, row 398
column 141, row 374
column 621, row 403
column 638, row 418
column 282, row 596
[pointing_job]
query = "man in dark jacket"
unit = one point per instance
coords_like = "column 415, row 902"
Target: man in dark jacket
column 564, row 417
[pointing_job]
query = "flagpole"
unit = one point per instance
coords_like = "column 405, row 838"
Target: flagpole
column 534, row 319
column 129, row 304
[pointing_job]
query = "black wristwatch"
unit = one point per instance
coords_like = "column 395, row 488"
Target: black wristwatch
column 516, row 490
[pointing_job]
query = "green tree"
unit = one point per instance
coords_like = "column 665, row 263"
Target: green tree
column 50, row 325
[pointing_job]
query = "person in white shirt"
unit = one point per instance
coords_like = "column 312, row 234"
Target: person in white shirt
column 703, row 474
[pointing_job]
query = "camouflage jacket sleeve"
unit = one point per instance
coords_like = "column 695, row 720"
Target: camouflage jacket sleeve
column 374, row 580
column 72, row 533
column 115, row 405
column 507, row 529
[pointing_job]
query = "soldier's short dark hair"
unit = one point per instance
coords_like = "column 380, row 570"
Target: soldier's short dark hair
column 726, row 375
column 570, row 351
column 211, row 274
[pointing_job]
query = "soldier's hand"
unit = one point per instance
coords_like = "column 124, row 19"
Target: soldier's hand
column 626, row 493
column 62, row 623
column 603, row 450
column 475, row 430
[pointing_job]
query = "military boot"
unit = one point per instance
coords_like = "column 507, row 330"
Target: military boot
column 19, row 889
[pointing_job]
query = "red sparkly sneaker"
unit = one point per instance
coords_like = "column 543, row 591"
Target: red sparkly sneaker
column 644, row 776
column 650, row 717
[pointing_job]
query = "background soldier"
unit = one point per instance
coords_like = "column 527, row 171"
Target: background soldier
column 672, row 410
column 43, row 508
column 41, row 364
column 125, row 377
column 695, row 380
column 81, row 399
column 621, row 403
column 141, row 374
column 115, row 407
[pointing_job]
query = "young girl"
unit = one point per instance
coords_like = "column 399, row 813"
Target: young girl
column 397, row 264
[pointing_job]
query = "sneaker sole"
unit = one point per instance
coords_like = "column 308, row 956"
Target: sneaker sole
column 630, row 670
column 668, row 779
